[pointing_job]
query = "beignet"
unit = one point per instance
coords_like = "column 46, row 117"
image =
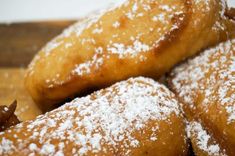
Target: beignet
column 134, row 117
column 203, row 143
column 206, row 87
column 137, row 38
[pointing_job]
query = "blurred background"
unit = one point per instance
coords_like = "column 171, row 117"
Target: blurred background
column 40, row 10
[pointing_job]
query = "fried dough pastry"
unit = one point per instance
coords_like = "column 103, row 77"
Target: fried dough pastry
column 206, row 87
column 203, row 143
column 137, row 38
column 134, row 117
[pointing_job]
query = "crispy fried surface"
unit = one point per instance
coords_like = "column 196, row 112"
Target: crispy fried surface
column 134, row 117
column 140, row 37
column 206, row 86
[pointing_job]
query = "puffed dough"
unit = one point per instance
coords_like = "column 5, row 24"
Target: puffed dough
column 137, row 38
column 134, row 117
column 206, row 87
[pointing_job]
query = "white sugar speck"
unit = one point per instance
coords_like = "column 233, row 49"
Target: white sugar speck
column 97, row 31
column 116, row 24
column 33, row 147
column 233, row 66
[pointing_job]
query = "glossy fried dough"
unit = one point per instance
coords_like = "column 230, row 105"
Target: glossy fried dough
column 206, row 87
column 136, row 38
column 133, row 117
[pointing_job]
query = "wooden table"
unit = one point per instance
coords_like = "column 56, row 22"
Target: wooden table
column 18, row 44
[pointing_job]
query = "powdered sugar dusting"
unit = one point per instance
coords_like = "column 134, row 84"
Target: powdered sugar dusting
column 78, row 28
column 52, row 45
column 109, row 116
column 217, row 65
column 85, row 68
column 136, row 46
column 231, row 111
column 203, row 139
column 6, row 145
column 132, row 48
column 233, row 66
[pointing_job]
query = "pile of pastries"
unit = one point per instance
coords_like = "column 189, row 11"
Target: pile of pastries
column 119, row 82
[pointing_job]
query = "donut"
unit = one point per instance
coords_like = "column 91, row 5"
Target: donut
column 135, row 38
column 205, row 85
column 134, row 117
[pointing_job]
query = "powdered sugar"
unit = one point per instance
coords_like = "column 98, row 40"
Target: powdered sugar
column 233, row 66
column 131, row 49
column 231, row 112
column 85, row 68
column 116, row 24
column 216, row 65
column 6, row 145
column 203, row 139
column 160, row 17
column 109, row 116
column 122, row 50
column 78, row 28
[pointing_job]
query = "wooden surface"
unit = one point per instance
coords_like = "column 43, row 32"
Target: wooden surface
column 19, row 42
column 18, row 45
column 12, row 88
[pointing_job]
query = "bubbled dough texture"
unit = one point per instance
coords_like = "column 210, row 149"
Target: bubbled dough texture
column 130, row 40
column 133, row 117
column 206, row 84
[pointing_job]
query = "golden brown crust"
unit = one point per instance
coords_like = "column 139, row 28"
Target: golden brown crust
column 136, row 38
column 135, row 117
column 180, row 21
column 205, row 85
